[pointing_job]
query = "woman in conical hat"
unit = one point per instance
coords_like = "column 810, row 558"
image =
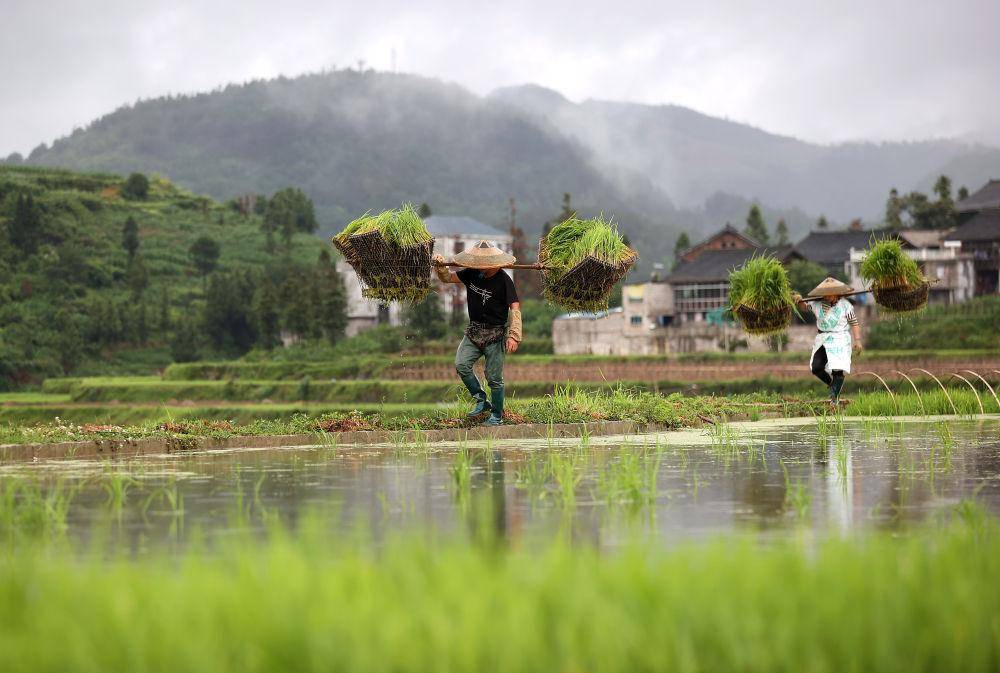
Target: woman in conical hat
column 839, row 334
column 491, row 299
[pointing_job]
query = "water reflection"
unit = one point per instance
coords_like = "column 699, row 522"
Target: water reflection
column 833, row 478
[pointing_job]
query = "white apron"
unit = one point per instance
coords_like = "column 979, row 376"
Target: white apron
column 834, row 335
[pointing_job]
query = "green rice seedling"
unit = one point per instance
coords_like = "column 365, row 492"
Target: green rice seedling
column 886, row 265
column 583, row 247
column 117, row 485
column 761, row 283
column 32, row 511
column 725, row 439
column 760, row 295
column 461, row 475
column 842, row 456
column 402, row 227
column 943, row 450
column 797, row 495
column 534, row 474
column 305, row 600
column 567, row 477
column 829, row 426
column 632, row 478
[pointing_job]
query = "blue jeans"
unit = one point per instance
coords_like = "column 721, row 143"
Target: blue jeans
column 466, row 357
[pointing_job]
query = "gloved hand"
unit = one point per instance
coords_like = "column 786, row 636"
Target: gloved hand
column 440, row 269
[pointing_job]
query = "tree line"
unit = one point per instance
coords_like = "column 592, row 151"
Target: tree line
column 71, row 294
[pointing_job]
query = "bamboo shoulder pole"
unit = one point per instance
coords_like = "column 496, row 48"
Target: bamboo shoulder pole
column 535, row 266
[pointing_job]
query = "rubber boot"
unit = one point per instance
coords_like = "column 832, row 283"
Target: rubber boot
column 835, row 387
column 496, row 418
column 477, row 392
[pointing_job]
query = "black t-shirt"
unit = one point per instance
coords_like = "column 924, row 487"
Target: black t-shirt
column 488, row 298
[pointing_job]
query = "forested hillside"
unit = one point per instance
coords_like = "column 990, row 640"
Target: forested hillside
column 359, row 140
column 97, row 268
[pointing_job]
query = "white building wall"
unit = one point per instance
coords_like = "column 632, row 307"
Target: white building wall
column 951, row 271
column 363, row 313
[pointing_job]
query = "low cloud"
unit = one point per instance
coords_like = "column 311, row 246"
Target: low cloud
column 826, row 72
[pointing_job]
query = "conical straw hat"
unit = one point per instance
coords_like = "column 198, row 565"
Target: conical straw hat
column 831, row 286
column 484, row 255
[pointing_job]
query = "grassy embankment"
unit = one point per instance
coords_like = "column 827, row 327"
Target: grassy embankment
column 387, row 366
column 304, row 600
column 564, row 406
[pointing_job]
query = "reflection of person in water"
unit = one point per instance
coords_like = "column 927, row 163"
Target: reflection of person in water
column 488, row 513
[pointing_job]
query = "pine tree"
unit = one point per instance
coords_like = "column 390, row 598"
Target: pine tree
column 424, row 211
column 756, row 227
column 142, row 323
column 963, row 192
column 205, row 255
column 893, row 211
column 136, row 187
column 682, row 243
column 163, row 303
column 331, row 305
column 781, row 230
column 25, row 227
column 266, row 315
column 297, row 310
column 130, row 237
column 136, row 276
column 942, row 187
column 822, row 224
column 184, row 342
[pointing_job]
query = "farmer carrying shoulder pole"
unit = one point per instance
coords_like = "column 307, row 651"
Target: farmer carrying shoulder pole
column 490, row 296
column 831, row 353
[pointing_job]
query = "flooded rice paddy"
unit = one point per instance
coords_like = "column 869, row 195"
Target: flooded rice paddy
column 771, row 479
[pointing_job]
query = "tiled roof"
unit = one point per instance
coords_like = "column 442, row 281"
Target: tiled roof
column 444, row 225
column 987, row 197
column 923, row 238
column 984, row 226
column 715, row 265
column 728, row 229
column 834, row 247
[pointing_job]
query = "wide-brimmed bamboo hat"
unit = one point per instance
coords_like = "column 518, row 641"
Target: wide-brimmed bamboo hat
column 831, row 286
column 484, row 255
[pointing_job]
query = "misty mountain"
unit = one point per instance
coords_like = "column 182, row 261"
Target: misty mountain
column 690, row 156
column 358, row 141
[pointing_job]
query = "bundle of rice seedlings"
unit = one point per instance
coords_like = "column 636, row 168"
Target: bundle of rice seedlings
column 896, row 280
column 583, row 260
column 391, row 253
column 401, row 227
column 760, row 296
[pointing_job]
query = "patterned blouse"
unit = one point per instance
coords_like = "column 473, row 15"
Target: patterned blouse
column 833, row 317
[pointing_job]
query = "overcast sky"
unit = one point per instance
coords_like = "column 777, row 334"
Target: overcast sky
column 822, row 71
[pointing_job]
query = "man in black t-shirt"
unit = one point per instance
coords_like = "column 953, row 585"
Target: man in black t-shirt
column 491, row 298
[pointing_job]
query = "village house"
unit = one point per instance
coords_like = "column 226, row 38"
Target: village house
column 700, row 281
column 978, row 233
column 832, row 249
column 451, row 235
column 681, row 313
column 943, row 261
